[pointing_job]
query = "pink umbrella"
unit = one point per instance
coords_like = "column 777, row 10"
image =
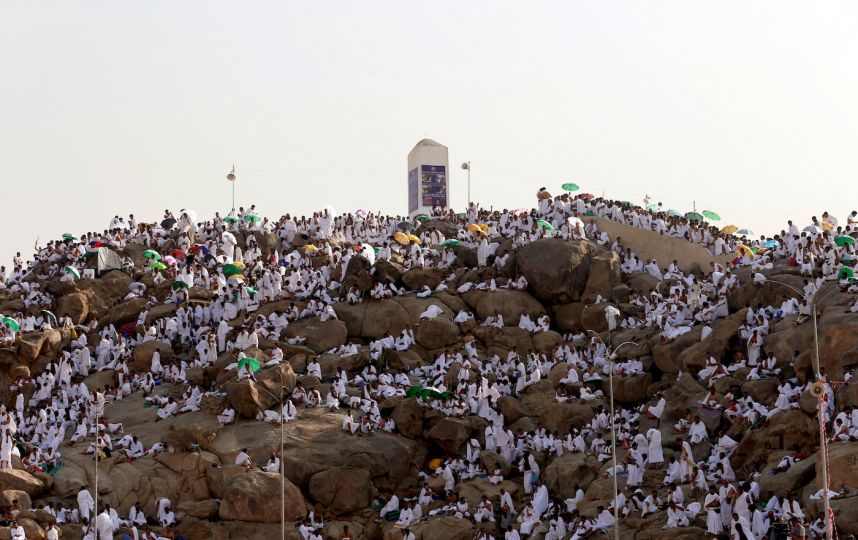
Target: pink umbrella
column 170, row 260
column 361, row 212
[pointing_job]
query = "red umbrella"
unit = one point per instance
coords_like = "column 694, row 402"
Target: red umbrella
column 128, row 329
column 586, row 196
column 178, row 253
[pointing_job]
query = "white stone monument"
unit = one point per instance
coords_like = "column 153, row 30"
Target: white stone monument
column 428, row 177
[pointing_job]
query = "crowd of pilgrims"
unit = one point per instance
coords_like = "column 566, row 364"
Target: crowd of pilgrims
column 308, row 268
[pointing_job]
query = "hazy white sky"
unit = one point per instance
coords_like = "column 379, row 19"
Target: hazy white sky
column 111, row 107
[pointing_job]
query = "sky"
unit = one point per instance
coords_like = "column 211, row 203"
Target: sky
column 744, row 108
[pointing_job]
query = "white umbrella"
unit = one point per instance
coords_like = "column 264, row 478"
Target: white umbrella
column 136, row 286
column 192, row 215
column 368, row 253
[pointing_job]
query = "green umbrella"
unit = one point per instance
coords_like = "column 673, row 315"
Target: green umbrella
column 159, row 266
column 252, row 362
column 423, row 217
column 11, row 323
column 230, row 270
column 68, row 237
column 545, row 225
column 461, row 214
column 694, row 216
column 709, row 214
column 845, row 272
column 152, row 254
column 230, row 219
column 450, row 243
column 673, row 212
column 843, row 240
column 90, row 253
column 251, row 290
column 570, row 187
column 254, row 219
column 419, row 391
column 73, row 271
column 179, row 284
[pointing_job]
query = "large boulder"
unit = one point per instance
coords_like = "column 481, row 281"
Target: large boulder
column 556, row 270
column 561, row 417
column 843, row 466
column 342, row 490
column 788, row 429
column 317, row 442
column 724, row 333
column 417, row 278
column 789, row 481
column 408, row 417
column 249, row 398
column 566, row 474
column 509, row 303
column 450, row 434
column 437, row 333
column 567, row 317
column 605, row 274
column 20, row 480
column 511, row 409
column 444, row 528
column 74, row 306
column 123, row 313
column 321, row 336
column 141, row 358
column 254, row 496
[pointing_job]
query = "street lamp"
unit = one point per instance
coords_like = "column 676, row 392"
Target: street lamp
column 282, row 463
column 467, row 166
column 231, row 177
column 810, row 299
column 95, row 498
column 612, row 355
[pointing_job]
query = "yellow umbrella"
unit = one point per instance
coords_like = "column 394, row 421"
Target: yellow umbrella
column 239, row 264
column 742, row 249
column 483, row 227
column 729, row 229
column 414, row 238
column 401, row 237
column 826, row 226
column 310, row 247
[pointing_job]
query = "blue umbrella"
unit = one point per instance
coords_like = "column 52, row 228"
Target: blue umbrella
column 771, row 244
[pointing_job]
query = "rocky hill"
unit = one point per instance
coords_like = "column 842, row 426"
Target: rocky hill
column 343, row 478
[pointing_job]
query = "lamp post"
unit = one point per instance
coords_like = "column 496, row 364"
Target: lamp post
column 231, row 177
column 467, row 166
column 810, row 299
column 612, row 355
column 282, row 463
column 95, row 498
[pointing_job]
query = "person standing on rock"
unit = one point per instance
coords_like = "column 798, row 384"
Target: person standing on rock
column 655, row 454
column 85, row 503
column 712, row 504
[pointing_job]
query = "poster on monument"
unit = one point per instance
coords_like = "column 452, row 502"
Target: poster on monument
column 434, row 185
